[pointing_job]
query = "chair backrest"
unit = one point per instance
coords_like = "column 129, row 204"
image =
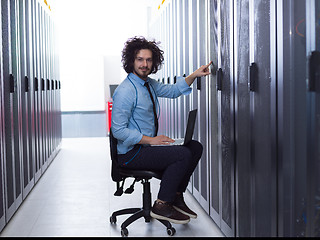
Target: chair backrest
column 115, row 175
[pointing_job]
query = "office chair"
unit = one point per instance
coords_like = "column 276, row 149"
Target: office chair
column 119, row 175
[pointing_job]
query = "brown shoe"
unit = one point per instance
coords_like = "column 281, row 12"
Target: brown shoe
column 182, row 207
column 165, row 211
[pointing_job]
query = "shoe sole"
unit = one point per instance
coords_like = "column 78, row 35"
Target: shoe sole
column 169, row 219
column 185, row 213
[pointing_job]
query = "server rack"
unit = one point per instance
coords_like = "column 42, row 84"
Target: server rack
column 201, row 85
column 2, row 137
column 26, row 98
column 193, row 64
column 261, row 108
column 298, row 107
column 184, row 60
column 179, row 70
column 30, row 121
column 213, row 133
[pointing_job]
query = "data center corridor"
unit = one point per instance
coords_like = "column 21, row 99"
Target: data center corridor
column 74, row 198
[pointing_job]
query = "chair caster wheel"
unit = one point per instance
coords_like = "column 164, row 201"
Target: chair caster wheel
column 124, row 232
column 113, row 220
column 171, row 231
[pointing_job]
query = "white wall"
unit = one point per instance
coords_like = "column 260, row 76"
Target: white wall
column 91, row 36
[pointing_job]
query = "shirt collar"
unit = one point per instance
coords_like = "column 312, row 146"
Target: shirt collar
column 137, row 79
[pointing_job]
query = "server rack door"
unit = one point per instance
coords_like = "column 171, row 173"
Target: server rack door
column 194, row 65
column 180, row 54
column 186, row 64
column 292, row 118
column 185, row 58
column 159, row 24
column 37, row 88
column 167, row 71
column 213, row 147
column 226, row 121
column 202, row 104
column 2, row 137
column 34, row 87
column 52, row 84
column 242, row 118
column 42, row 90
column 50, row 45
column 14, row 124
column 29, row 89
column 24, row 96
column 44, row 87
column 170, row 67
column 162, row 72
column 47, row 89
column 262, row 118
column 10, row 74
column 313, row 118
column 174, row 68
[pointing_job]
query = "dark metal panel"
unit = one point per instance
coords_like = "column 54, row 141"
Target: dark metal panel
column 24, row 96
column 242, row 118
column 167, row 69
column 29, row 91
column 180, row 66
column 10, row 75
column 292, row 118
column 176, row 123
column 194, row 60
column 186, row 56
column 313, row 119
column 37, row 89
column 262, row 111
column 227, row 121
column 16, row 101
column 213, row 114
column 202, row 105
column 2, row 137
column 44, row 88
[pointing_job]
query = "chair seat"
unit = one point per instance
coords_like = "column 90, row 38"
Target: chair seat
column 140, row 173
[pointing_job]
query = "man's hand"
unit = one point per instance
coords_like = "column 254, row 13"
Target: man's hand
column 200, row 72
column 158, row 140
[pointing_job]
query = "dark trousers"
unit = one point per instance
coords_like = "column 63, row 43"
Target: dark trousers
column 176, row 162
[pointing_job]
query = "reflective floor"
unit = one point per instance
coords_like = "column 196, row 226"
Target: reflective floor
column 74, row 197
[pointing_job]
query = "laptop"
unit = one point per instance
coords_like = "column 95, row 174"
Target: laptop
column 189, row 131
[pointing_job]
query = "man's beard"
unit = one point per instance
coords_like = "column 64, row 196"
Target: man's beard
column 141, row 76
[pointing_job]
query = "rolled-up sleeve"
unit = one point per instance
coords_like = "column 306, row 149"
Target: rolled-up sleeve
column 183, row 86
column 172, row 90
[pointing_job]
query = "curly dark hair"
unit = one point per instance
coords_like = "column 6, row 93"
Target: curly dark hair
column 133, row 46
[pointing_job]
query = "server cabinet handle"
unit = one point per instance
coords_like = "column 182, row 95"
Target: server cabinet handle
column 184, row 75
column 219, row 79
column 163, row 80
column 314, row 72
column 48, row 84
column 168, row 80
column 253, row 70
column 42, row 84
column 26, row 80
column 199, row 83
column 12, row 87
column 175, row 79
column 36, row 84
column 59, row 84
column 56, row 84
column 52, row 84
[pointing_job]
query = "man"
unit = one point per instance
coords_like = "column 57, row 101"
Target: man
column 135, row 125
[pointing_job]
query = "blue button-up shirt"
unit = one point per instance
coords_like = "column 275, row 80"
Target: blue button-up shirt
column 132, row 109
